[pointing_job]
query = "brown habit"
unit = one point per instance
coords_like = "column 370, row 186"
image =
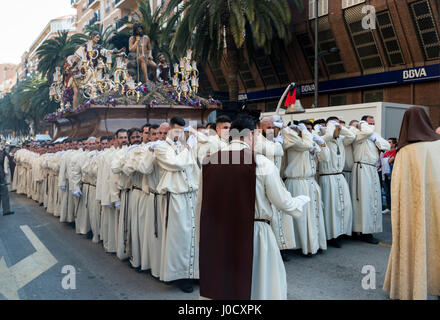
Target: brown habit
column 227, row 227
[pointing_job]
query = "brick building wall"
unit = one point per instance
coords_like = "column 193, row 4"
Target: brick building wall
column 393, row 45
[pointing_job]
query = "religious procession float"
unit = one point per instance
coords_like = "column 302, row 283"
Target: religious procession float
column 101, row 90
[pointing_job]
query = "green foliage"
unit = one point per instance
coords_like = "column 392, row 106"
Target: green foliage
column 53, row 52
column 226, row 29
column 27, row 103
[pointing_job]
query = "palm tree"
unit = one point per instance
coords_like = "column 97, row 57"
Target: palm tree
column 53, row 52
column 226, row 29
column 154, row 27
column 31, row 99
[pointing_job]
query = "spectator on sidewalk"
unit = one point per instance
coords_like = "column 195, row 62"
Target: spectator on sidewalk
column 387, row 162
column 4, row 193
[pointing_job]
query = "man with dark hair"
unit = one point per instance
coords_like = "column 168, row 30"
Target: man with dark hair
column 239, row 214
column 146, row 133
column 154, row 132
column 366, row 192
column 368, row 119
column 179, row 184
column 122, row 138
column 222, row 126
column 308, row 124
column 353, row 123
column 134, row 136
column 210, row 140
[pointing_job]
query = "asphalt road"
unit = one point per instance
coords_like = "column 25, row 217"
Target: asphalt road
column 333, row 274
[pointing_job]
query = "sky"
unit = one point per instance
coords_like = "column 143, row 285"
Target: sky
column 22, row 21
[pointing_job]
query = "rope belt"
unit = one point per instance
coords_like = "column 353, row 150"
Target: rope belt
column 156, row 228
column 168, row 195
column 89, row 184
column 262, row 220
column 331, row 174
column 126, row 219
column 136, row 188
column 359, row 166
column 302, row 178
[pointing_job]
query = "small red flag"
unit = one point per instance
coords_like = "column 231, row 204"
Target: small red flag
column 291, row 98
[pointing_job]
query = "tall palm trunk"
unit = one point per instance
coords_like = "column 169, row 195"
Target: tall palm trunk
column 232, row 62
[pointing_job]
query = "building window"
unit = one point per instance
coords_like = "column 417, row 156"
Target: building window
column 309, row 52
column 337, row 99
column 264, row 65
column 426, row 29
column 332, row 61
column 389, row 39
column 350, row 3
column 219, row 78
column 363, row 41
column 322, row 10
column 246, row 75
column 372, row 96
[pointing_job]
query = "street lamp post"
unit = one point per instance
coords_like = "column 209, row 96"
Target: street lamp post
column 315, row 105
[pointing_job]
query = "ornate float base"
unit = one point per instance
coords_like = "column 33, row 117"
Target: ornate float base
column 99, row 120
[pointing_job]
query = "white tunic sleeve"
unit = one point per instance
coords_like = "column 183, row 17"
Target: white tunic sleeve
column 293, row 140
column 170, row 161
column 277, row 193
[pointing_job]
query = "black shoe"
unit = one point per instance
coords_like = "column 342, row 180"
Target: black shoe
column 185, row 285
column 334, row 243
column 308, row 255
column 8, row 213
column 284, row 256
column 89, row 235
column 369, row 239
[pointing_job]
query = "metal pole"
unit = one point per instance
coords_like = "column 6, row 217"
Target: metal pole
column 316, row 53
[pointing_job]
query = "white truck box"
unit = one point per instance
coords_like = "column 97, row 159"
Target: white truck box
column 388, row 116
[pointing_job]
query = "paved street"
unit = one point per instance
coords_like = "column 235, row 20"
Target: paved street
column 334, row 274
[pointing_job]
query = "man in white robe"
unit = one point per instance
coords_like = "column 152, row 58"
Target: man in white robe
column 366, row 192
column 120, row 189
column 137, row 198
column 338, row 210
column 268, row 272
column 180, row 183
column 266, row 146
column 66, row 210
column 104, row 187
column 300, row 152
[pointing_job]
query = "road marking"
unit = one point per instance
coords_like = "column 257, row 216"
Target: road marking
column 17, row 276
column 385, row 244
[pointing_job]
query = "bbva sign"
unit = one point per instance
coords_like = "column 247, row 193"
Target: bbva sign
column 414, row 73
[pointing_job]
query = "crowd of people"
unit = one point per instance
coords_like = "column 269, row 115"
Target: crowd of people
column 137, row 190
